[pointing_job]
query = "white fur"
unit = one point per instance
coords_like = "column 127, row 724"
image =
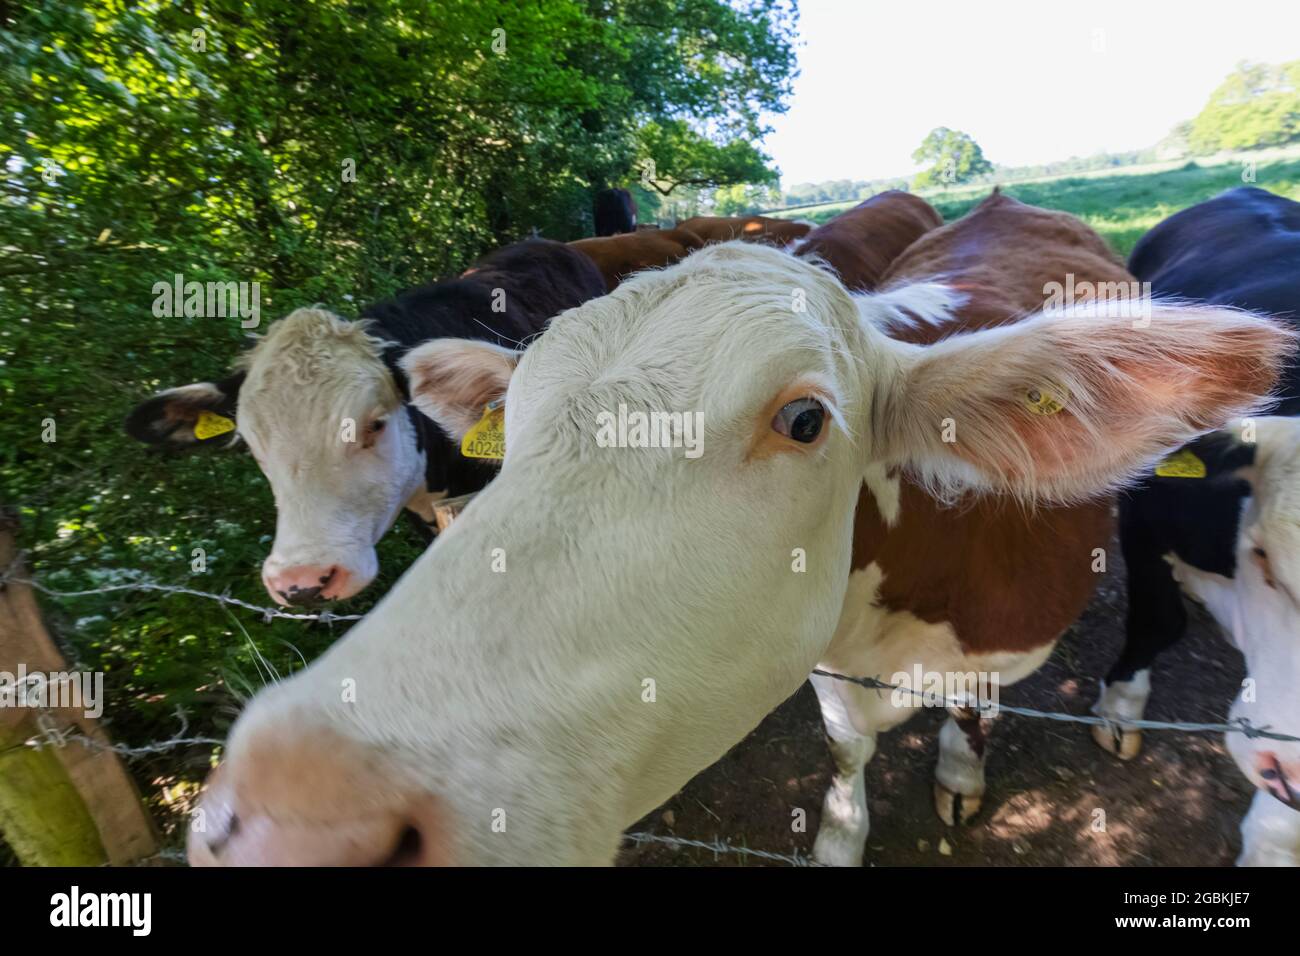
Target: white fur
column 1263, row 622
column 524, row 691
column 334, row 499
column 1125, row 698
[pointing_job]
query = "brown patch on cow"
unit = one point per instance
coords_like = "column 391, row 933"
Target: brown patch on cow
column 969, row 723
column 617, row 257
column 1005, row 577
column 778, row 232
column 863, row 242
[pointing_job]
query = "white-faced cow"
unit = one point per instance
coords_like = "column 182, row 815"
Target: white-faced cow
column 321, row 403
column 1221, row 518
column 653, row 608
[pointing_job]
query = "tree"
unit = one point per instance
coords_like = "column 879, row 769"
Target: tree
column 955, row 156
column 672, row 154
column 331, row 152
column 1257, row 105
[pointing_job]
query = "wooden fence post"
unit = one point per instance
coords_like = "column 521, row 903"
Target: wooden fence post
column 69, row 805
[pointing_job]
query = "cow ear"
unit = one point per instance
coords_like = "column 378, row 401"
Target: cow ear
column 452, row 380
column 188, row 416
column 1062, row 407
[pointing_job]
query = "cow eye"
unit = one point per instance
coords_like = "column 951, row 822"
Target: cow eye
column 377, row 425
column 801, row 420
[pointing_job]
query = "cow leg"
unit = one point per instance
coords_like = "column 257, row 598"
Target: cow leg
column 1270, row 833
column 1156, row 619
column 842, row 834
column 959, row 775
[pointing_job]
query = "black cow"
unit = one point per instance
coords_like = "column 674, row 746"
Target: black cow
column 1215, row 519
column 615, row 212
column 324, row 405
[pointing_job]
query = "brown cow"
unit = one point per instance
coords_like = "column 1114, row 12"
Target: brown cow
column 862, row 242
column 778, row 232
column 617, row 257
column 977, row 591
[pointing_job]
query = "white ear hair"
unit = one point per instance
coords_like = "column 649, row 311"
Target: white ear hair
column 1061, row 407
column 452, row 380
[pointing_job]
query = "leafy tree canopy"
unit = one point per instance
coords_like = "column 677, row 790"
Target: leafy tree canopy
column 954, row 155
column 1257, row 105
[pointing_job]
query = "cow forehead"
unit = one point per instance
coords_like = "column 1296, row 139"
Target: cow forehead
column 718, row 332
column 309, row 372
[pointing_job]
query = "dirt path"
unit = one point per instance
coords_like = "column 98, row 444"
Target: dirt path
column 1179, row 803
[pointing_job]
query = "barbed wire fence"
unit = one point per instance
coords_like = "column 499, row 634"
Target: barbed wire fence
column 53, row 737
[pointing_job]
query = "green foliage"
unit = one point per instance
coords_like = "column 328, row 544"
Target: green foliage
column 333, row 152
column 1122, row 207
column 1257, row 105
column 955, row 156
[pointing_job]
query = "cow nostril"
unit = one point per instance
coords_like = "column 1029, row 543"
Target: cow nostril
column 329, row 576
column 408, row 848
column 297, row 595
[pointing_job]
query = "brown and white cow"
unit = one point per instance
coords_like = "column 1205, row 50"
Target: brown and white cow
column 602, row 622
column 618, row 257
column 863, row 242
column 777, row 232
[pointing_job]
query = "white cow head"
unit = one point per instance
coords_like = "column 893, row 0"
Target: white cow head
column 1259, row 607
column 601, row 623
column 322, row 414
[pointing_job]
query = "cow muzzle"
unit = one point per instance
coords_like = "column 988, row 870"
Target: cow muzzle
column 314, row 802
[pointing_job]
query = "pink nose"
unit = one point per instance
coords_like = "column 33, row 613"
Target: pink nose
column 308, row 583
column 314, row 798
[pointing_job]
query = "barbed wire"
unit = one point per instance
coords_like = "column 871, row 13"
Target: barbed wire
column 718, row 846
column 1239, row 726
column 268, row 613
column 53, row 736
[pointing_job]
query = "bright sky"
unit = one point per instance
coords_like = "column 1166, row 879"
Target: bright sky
column 1031, row 80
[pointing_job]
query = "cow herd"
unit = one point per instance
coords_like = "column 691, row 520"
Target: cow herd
column 910, row 463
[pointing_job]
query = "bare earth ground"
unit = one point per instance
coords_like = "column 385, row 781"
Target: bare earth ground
column 1180, row 802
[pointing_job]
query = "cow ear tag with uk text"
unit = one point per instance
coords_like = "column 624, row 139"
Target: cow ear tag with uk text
column 210, row 425
column 1181, row 464
column 487, row 438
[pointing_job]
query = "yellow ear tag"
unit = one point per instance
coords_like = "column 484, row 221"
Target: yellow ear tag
column 487, row 439
column 210, row 425
column 1181, row 464
column 1043, row 402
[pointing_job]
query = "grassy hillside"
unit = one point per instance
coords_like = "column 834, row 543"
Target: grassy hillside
column 1121, row 206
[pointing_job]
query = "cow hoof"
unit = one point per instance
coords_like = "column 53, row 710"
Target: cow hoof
column 954, row 808
column 1124, row 744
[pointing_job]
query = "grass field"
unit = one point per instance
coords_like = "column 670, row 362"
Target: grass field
column 1121, row 206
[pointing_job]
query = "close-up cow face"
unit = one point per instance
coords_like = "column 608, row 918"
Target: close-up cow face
column 321, row 413
column 617, row 641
